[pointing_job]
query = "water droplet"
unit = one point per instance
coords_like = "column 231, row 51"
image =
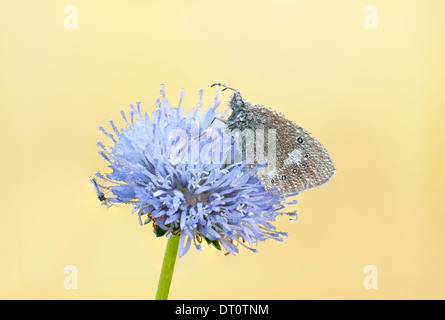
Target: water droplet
column 293, row 216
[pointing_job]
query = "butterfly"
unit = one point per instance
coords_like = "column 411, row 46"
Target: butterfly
column 301, row 162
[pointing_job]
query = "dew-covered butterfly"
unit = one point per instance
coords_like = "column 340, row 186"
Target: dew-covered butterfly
column 301, row 162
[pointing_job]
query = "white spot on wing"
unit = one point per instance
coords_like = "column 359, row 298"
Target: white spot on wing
column 271, row 173
column 293, row 158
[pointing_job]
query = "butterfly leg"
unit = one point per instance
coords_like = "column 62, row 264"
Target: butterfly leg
column 220, row 119
column 216, row 118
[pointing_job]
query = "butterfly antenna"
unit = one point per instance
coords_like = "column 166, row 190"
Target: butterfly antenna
column 225, row 87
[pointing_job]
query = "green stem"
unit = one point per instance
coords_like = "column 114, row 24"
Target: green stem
column 168, row 265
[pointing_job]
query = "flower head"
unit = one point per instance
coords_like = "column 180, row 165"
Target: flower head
column 177, row 172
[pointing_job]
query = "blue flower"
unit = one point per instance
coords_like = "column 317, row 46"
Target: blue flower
column 176, row 171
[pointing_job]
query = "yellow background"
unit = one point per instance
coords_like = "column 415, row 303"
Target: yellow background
column 374, row 98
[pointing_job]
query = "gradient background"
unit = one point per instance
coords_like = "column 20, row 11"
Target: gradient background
column 374, row 98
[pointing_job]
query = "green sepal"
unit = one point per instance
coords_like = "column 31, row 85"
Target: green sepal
column 159, row 231
column 216, row 244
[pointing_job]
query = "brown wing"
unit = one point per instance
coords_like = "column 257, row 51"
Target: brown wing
column 302, row 163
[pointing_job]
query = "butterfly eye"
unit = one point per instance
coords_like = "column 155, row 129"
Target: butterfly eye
column 283, row 177
column 300, row 140
column 295, row 170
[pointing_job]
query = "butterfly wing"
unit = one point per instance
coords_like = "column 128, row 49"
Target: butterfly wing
column 301, row 162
